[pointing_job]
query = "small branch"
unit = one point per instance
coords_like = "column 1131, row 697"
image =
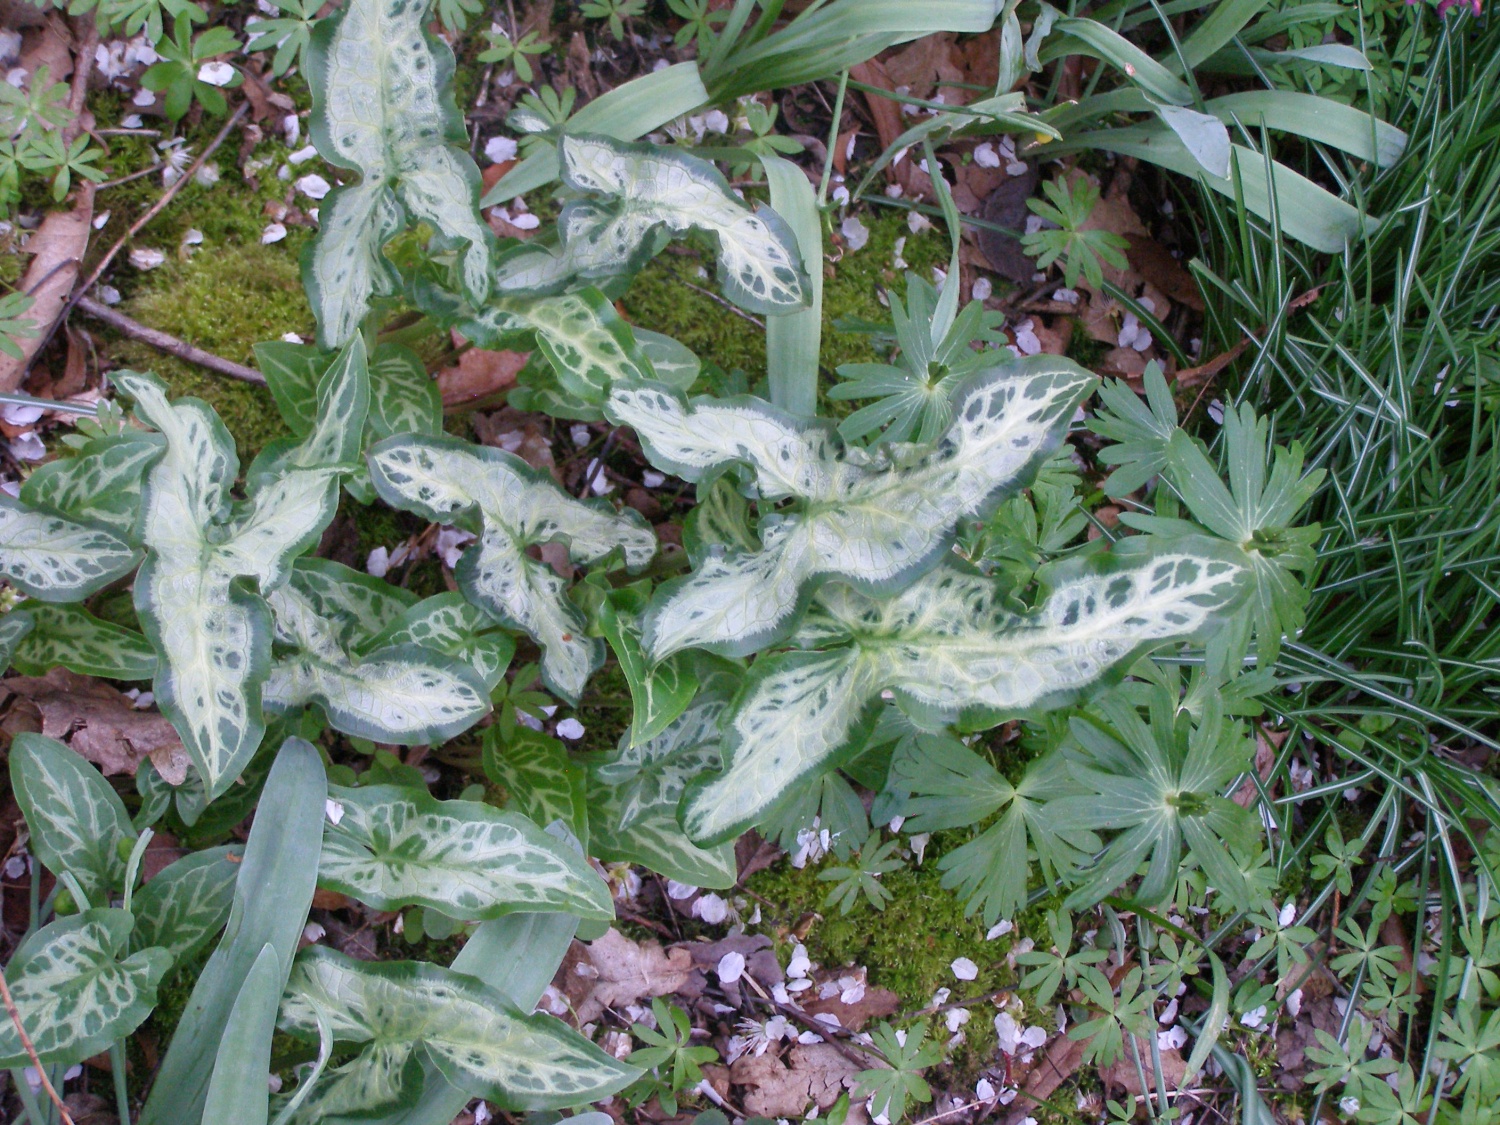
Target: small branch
column 171, row 345
column 156, row 209
column 15, row 1018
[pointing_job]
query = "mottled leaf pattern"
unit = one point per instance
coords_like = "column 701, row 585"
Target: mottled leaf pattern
column 69, row 636
column 383, row 107
column 877, row 520
column 642, row 194
column 539, row 778
column 512, row 507
column 353, row 605
column 13, row 629
column 635, row 790
column 56, row 559
column 394, row 847
column 658, row 694
column 186, row 903
column 450, row 624
column 74, row 995
column 77, row 820
column 100, row 485
column 947, row 645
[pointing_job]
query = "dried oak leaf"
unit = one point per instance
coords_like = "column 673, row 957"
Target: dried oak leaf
column 101, row 724
column 623, row 972
column 815, row 1072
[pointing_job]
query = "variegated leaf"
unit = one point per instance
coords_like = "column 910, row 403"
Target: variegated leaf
column 185, row 904
column 539, row 778
column 875, row 520
column 101, row 484
column 513, row 507
column 589, row 347
column 56, row 559
column 394, row 847
column 642, row 193
column 13, row 629
column 354, row 605
column 212, row 634
column 398, row 691
column 72, row 991
column 634, row 793
column 948, row 646
column 657, row 694
column 475, row 1035
column 449, row 624
column 404, row 398
column 76, row 819
column 383, row 107
column 69, row 636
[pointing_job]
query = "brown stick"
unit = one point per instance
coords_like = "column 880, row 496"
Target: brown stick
column 155, row 209
column 171, row 345
column 15, row 1018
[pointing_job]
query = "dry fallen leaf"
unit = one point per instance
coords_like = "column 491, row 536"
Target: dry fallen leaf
column 621, row 972
column 100, row 724
column 478, row 375
column 817, row 1073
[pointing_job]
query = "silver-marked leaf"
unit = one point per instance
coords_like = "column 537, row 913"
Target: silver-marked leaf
column 99, row 485
column 56, row 559
column 77, row 820
column 404, row 398
column 354, row 605
column 657, row 694
column 74, row 994
column 480, row 1041
column 635, row 790
column 394, row 847
column 13, row 629
column 876, row 520
column 292, row 372
column 948, row 647
column 383, row 107
column 186, row 903
column 587, row 343
column 212, row 633
column 643, row 194
column 673, row 361
column 538, row 777
column 449, row 624
column 513, row 507
column 69, row 636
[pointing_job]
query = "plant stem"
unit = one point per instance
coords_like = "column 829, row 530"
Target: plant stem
column 833, row 139
column 122, row 1086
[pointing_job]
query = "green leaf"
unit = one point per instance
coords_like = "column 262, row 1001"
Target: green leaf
column 393, row 847
column 1082, row 36
column 792, row 341
column 513, row 507
column 212, row 632
column 55, row 559
column 186, row 903
column 383, row 107
column 1140, row 431
column 950, row 647
column 908, row 1054
column 355, row 605
column 68, row 636
column 878, row 520
column 101, row 485
column 76, row 819
column 627, row 111
column 448, row 624
column 271, row 898
column 476, row 1036
column 635, row 790
column 74, row 994
column 638, row 193
column 238, row 1090
column 13, row 629
column 658, row 693
column 540, row 779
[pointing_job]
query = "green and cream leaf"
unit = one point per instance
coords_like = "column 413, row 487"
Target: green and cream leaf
column 393, row 847
column 100, row 485
column 186, row 903
column 56, row 559
column 69, row 636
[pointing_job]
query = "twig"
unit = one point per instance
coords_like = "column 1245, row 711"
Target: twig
column 154, row 210
column 132, row 176
column 15, row 1018
column 718, row 300
column 171, row 345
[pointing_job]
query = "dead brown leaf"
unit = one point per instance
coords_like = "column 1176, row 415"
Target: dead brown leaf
column 815, row 1072
column 480, row 374
column 1122, row 1074
column 57, row 250
column 925, row 65
column 621, row 972
column 1006, row 207
column 99, row 723
column 1051, row 1069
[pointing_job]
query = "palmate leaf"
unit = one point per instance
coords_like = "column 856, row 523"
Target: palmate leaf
column 69, row 636
column 383, row 107
column 1160, row 786
column 512, row 506
column 395, row 691
column 186, row 903
column 407, row 1012
column 395, row 847
column 635, row 790
column 76, row 819
column 877, row 521
column 642, row 195
column 951, row 786
column 55, row 559
column 210, row 630
column 75, row 991
column 949, row 647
